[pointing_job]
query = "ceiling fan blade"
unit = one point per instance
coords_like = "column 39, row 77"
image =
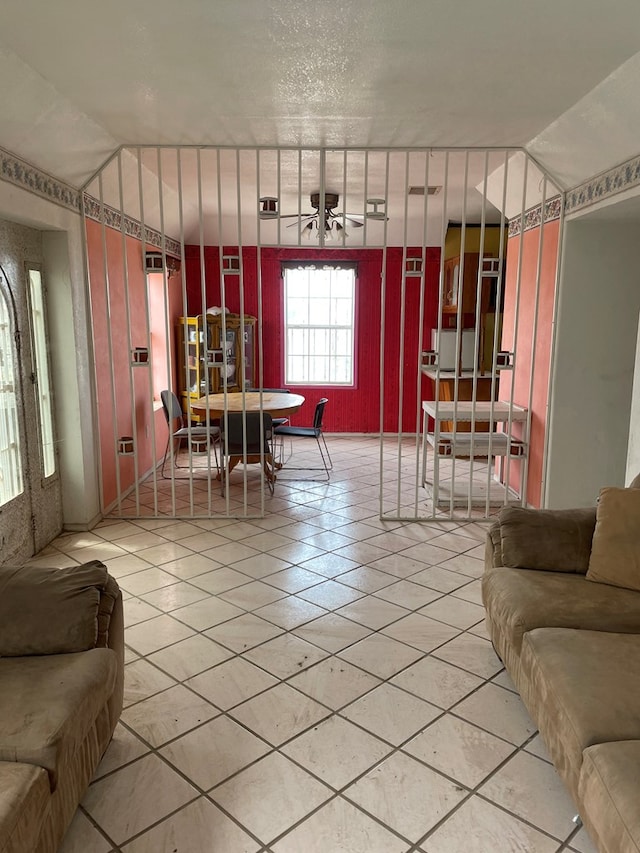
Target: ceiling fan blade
column 296, row 215
column 354, row 222
column 302, row 220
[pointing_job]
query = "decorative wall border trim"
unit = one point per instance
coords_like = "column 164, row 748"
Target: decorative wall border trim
column 609, row 183
column 34, row 180
column 132, row 227
column 533, row 216
column 30, row 178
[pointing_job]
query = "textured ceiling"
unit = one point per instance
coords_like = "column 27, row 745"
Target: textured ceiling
column 79, row 78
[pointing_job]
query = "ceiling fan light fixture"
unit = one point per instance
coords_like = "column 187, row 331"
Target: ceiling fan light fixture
column 268, row 208
column 376, row 213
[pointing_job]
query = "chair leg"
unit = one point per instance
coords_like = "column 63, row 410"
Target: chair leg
column 330, row 468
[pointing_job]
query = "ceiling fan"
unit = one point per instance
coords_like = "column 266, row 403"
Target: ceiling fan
column 334, row 223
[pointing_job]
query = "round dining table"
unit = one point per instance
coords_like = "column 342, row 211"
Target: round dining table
column 275, row 403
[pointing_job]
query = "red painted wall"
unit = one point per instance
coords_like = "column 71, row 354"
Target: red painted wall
column 127, row 382
column 526, row 354
column 354, row 409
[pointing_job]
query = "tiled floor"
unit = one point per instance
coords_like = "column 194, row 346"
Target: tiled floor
column 314, row 681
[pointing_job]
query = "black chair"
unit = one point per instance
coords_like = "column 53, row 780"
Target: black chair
column 246, row 437
column 207, row 435
column 314, row 431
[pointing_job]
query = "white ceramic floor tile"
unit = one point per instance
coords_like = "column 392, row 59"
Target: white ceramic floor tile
column 437, row 682
column 220, row 580
column 189, row 657
column 211, row 753
column 330, row 595
column 531, row 789
column 367, row 579
column 285, row 655
column 373, row 612
column 334, row 682
column 191, row 566
column 176, row 595
column 329, row 565
column 134, row 798
column 136, row 610
column 198, row 827
column 332, row 632
column 156, row 633
column 405, row 795
column 232, row 553
column 243, row 632
column 407, row 594
column 471, row 653
column 82, row 836
column 294, row 579
column 168, row 715
column 290, row 612
column 166, row 553
column 119, row 567
column 268, row 809
column 146, row 581
column 398, row 565
column 124, row 747
column 380, row 655
column 336, row 751
column 498, row 711
column 391, row 713
column 582, row 842
column 537, row 746
column 231, row 682
column 279, row 714
column 250, row 596
column 142, row 680
column 259, row 565
column 459, row 749
column 440, row 579
column 454, row 611
column 480, row 827
column 421, row 632
column 339, row 827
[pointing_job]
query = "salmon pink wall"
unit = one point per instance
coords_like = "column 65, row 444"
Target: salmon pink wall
column 525, row 353
column 112, row 346
column 353, row 409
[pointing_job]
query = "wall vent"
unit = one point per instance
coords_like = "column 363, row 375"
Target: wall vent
column 432, row 190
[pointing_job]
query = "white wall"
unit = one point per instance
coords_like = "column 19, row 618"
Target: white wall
column 596, row 338
column 71, row 354
column 633, row 454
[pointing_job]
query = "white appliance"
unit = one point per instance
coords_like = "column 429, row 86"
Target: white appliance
column 447, row 351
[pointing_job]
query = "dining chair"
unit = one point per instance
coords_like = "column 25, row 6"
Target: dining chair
column 315, row 432
column 195, row 434
column 246, row 437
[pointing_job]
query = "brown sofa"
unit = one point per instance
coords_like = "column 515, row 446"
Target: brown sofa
column 572, row 648
column 61, row 684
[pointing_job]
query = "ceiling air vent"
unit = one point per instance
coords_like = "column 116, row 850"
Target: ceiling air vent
column 432, row 190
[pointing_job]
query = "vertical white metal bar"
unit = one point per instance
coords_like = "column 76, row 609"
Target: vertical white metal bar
column 322, row 221
column 299, row 241
column 223, row 327
column 554, row 343
column 478, row 309
column 183, row 283
column 524, row 460
column 497, row 326
column 403, row 316
column 365, row 195
column 516, row 325
column 459, row 335
column 383, row 294
column 127, row 310
column 107, row 293
column 343, row 235
column 154, row 468
column 204, row 331
column 421, row 313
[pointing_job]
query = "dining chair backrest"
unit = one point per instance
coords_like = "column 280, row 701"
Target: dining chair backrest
column 319, row 413
column 259, row 427
column 170, row 406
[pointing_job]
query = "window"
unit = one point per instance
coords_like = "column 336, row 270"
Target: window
column 43, row 385
column 319, row 325
column 10, row 461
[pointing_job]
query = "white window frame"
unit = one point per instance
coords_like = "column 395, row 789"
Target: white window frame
column 11, row 473
column 43, row 386
column 330, row 328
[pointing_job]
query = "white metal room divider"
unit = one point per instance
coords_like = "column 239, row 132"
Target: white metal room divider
column 456, row 253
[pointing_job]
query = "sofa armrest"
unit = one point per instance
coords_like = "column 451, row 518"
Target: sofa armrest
column 56, row 611
column 545, row 539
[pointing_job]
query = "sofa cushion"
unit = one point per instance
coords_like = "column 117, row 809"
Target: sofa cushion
column 608, row 788
column 615, row 552
column 548, row 540
column 46, row 611
column 48, row 704
column 24, row 799
column 519, row 600
column 583, row 689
